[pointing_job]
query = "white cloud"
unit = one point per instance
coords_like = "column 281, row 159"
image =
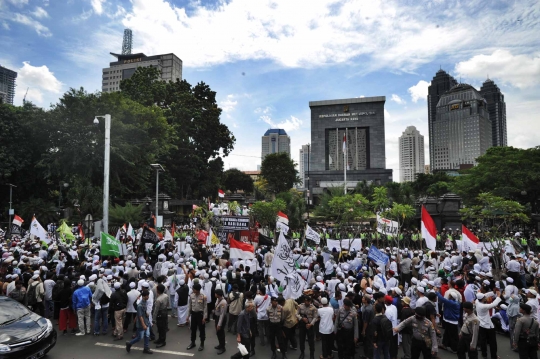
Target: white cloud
column 18, row 3
column 25, row 20
column 397, row 99
column 518, row 70
column 419, row 91
column 40, row 13
column 5, row 25
column 290, row 124
column 97, row 5
column 264, row 111
column 229, row 104
column 41, row 83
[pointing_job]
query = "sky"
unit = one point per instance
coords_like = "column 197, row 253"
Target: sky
column 267, row 59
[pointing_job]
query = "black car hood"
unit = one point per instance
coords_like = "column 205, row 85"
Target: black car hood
column 24, row 329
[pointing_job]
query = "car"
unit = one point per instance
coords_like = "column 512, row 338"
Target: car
column 23, row 333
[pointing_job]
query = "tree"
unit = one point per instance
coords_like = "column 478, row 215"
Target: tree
column 278, row 169
column 296, row 207
column 507, row 172
column 118, row 215
column 434, row 185
column 399, row 213
column 266, row 212
column 324, row 210
column 234, row 180
column 349, row 208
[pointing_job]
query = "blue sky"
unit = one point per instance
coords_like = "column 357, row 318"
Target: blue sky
column 268, row 59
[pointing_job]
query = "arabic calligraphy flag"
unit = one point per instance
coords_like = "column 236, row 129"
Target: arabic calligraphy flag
column 110, row 246
column 283, row 262
column 37, row 230
column 312, row 235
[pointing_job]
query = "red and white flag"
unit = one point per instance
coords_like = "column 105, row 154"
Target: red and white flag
column 220, row 193
column 429, row 230
column 241, row 250
column 344, row 143
column 282, row 217
column 469, row 240
column 17, row 220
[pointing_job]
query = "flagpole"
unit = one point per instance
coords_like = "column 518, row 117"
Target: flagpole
column 345, row 167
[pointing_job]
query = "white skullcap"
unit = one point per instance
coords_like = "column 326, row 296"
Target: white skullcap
column 324, row 301
column 80, row 282
column 117, row 285
column 82, row 277
column 369, row 290
column 341, row 287
column 206, row 276
column 377, row 285
column 182, row 282
column 510, row 280
column 414, row 280
column 480, row 296
column 397, row 290
column 319, row 278
column 132, row 285
column 145, row 284
column 504, row 307
column 420, row 289
column 486, row 282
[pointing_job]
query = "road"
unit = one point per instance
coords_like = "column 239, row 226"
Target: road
column 103, row 347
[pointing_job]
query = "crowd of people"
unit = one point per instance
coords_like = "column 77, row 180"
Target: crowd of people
column 419, row 300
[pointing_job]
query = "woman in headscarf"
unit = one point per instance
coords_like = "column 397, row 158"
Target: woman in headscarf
column 101, row 299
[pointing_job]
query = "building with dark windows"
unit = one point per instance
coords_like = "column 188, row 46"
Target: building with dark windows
column 461, row 131
column 361, row 122
column 7, row 85
column 275, row 140
column 497, row 112
column 440, row 84
column 170, row 66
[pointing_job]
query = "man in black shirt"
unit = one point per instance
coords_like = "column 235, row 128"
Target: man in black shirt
column 406, row 334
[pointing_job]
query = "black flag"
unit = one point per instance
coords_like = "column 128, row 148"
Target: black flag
column 149, row 236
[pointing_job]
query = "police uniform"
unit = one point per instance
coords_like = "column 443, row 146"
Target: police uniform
column 310, row 313
column 197, row 308
column 424, row 339
column 468, row 337
column 220, row 319
column 346, row 328
column 275, row 327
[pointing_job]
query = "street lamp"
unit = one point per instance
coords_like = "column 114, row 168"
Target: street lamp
column 158, row 168
column 11, row 212
column 308, row 192
column 66, row 185
column 106, row 170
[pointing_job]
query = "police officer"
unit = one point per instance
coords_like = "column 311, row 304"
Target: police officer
column 220, row 319
column 468, row 336
column 424, row 338
column 526, row 333
column 275, row 328
column 197, row 308
column 307, row 317
column 346, row 325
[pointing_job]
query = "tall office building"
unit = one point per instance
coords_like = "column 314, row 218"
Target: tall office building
column 440, row 84
column 304, row 164
column 7, row 85
column 411, row 154
column 275, row 140
column 461, row 130
column 170, row 66
column 497, row 112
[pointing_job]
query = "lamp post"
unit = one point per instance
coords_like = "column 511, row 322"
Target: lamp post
column 66, row 185
column 308, row 192
column 158, row 168
column 10, row 201
column 106, row 170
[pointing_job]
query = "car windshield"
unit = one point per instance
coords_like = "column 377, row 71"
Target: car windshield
column 11, row 310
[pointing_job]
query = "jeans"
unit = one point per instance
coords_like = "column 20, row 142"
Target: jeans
column 262, row 326
column 49, row 309
column 101, row 320
column 141, row 333
column 82, row 315
column 382, row 351
column 406, row 340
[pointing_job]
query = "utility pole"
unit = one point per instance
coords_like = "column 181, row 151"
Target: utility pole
column 11, row 212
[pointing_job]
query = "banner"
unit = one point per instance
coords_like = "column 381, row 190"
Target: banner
column 312, row 235
column 282, row 227
column 37, row 230
column 110, row 246
column 346, row 244
column 284, row 270
column 386, row 226
column 149, row 236
column 235, row 223
column 377, row 256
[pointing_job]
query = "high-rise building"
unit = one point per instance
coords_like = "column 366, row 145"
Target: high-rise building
column 7, row 85
column 461, row 130
column 303, row 164
column 497, row 112
column 411, row 154
column 440, row 84
column 170, row 66
column 274, row 141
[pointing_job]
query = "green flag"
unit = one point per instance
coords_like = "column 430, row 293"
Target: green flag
column 110, row 246
column 64, row 232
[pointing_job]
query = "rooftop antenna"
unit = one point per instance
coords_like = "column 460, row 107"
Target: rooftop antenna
column 127, row 43
column 24, row 98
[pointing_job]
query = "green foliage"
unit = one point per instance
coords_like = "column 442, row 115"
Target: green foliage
column 323, row 210
column 234, row 180
column 129, row 213
column 349, row 208
column 266, row 212
column 399, row 212
column 296, row 207
column 278, row 169
column 45, row 211
column 434, row 185
column 380, row 199
column 204, row 216
column 507, row 172
column 234, row 207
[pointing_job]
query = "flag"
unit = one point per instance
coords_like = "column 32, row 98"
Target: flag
column 130, row 232
column 469, row 240
column 344, row 143
column 194, row 207
column 149, row 236
column 429, row 231
column 282, row 227
column 18, row 221
column 202, row 235
column 65, row 232
column 110, row 246
column 265, row 240
column 168, row 236
column 81, row 232
column 312, row 235
column 155, row 220
column 212, row 238
column 241, row 250
column 221, row 193
column 282, row 217
column 37, row 230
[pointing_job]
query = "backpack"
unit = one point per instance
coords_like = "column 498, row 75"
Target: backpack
column 56, row 291
column 104, row 299
column 384, row 329
column 31, row 295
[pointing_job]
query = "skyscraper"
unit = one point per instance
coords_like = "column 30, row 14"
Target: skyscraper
column 440, row 83
column 303, row 164
column 411, row 154
column 461, row 130
column 497, row 111
column 7, row 85
column 275, row 140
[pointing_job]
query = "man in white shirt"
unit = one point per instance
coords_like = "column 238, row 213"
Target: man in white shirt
column 326, row 328
column 532, row 301
column 262, row 301
column 514, row 268
column 486, row 333
column 392, row 314
column 48, row 286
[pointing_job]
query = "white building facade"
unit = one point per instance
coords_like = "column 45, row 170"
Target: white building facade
column 411, row 154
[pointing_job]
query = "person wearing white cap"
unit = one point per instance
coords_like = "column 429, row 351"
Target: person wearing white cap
column 101, row 300
column 35, row 294
column 532, row 301
column 500, row 319
column 81, row 300
column 119, row 300
column 131, row 309
column 182, row 295
column 486, row 334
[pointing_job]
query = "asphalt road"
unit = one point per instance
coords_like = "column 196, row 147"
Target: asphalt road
column 103, row 347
